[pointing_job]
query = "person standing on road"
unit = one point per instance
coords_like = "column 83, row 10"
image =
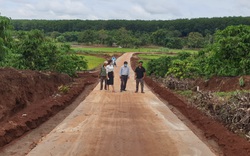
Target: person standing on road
column 114, row 60
column 103, row 76
column 124, row 75
column 140, row 74
column 110, row 75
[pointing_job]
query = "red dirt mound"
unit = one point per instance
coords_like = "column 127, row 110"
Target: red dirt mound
column 19, row 89
column 29, row 98
column 230, row 143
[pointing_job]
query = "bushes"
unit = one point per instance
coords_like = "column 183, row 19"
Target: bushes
column 229, row 55
column 32, row 50
column 70, row 64
column 159, row 67
column 179, row 67
column 182, row 69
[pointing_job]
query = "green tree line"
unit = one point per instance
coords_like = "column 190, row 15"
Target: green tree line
column 177, row 34
column 185, row 26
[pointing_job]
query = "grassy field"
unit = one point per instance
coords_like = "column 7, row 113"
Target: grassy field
column 93, row 61
column 151, row 56
column 109, row 49
column 183, row 50
column 123, row 50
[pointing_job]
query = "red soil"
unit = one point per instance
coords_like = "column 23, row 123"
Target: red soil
column 29, row 98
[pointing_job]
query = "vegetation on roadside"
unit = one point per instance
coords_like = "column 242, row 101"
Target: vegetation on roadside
column 33, row 50
column 228, row 55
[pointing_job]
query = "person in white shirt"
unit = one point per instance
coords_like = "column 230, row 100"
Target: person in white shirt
column 124, row 75
column 110, row 75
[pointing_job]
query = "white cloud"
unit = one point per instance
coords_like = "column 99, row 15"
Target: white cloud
column 119, row 9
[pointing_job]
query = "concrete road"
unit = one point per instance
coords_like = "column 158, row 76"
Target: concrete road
column 121, row 124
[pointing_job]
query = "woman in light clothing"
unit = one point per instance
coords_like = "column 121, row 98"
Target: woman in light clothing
column 110, row 75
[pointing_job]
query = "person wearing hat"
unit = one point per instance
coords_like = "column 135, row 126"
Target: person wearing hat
column 140, row 74
column 103, row 76
column 124, row 75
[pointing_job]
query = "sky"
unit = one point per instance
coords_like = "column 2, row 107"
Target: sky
column 122, row 9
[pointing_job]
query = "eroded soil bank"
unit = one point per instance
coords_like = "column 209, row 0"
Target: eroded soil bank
column 29, row 98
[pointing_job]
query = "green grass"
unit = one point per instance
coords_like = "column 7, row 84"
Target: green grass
column 108, row 49
column 123, row 50
column 183, row 50
column 186, row 93
column 93, row 61
column 228, row 94
column 151, row 56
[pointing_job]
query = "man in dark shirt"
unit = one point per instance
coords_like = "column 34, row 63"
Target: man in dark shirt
column 140, row 74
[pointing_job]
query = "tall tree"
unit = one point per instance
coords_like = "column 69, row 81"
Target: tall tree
column 195, row 40
column 102, row 35
column 87, row 37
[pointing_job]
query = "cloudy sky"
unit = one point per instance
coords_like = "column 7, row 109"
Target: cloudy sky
column 122, row 9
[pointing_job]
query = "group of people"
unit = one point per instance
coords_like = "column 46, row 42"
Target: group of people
column 107, row 75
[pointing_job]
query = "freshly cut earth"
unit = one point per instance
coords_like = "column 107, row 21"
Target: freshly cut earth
column 29, row 98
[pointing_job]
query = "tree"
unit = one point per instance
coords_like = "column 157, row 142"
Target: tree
column 5, row 37
column 124, row 37
column 229, row 55
column 102, row 35
column 159, row 67
column 144, row 38
column 159, row 37
column 38, row 52
column 55, row 34
column 174, row 43
column 195, row 40
column 70, row 36
column 87, row 37
column 61, row 38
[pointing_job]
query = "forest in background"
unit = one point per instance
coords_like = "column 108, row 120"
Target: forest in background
column 177, row 34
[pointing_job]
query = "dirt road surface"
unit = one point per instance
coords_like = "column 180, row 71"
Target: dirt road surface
column 121, row 124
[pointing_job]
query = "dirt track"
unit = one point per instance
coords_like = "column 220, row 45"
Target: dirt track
column 126, row 123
